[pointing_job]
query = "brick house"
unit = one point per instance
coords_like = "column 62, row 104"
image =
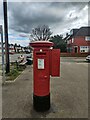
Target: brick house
column 11, row 48
column 15, row 48
column 78, row 41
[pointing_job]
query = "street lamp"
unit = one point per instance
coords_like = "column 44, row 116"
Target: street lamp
column 6, row 36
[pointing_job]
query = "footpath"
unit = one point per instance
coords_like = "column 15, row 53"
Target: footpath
column 17, row 97
column 69, row 94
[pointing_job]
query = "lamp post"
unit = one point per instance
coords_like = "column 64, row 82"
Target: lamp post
column 6, row 36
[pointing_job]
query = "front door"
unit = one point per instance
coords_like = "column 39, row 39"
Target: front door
column 76, row 49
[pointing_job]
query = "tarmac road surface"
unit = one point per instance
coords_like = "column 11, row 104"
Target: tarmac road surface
column 69, row 93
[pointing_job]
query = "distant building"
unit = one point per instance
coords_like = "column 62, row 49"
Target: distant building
column 11, row 48
column 78, row 41
column 19, row 48
column 27, row 49
column 16, row 49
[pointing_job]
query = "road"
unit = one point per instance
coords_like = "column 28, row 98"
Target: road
column 69, row 93
column 12, row 57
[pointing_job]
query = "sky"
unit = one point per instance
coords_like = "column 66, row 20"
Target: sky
column 61, row 17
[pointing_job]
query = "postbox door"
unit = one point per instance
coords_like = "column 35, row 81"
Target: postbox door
column 41, row 73
column 55, row 62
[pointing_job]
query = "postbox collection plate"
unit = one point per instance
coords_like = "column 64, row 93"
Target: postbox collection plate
column 40, row 63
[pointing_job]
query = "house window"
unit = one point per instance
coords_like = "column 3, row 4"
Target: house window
column 68, row 42
column 72, row 40
column 69, row 49
column 71, row 32
column 87, row 38
column 84, row 48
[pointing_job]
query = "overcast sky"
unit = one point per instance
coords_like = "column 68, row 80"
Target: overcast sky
column 61, row 17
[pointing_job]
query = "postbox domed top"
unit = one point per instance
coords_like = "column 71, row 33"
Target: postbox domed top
column 41, row 44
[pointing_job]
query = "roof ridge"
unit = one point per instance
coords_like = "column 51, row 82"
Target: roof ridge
column 84, row 27
column 81, row 30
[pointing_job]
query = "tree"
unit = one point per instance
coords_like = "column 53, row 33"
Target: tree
column 15, row 45
column 59, row 42
column 41, row 33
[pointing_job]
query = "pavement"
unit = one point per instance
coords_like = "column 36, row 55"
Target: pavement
column 69, row 93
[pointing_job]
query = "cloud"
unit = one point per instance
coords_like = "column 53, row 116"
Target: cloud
column 61, row 17
column 14, row 38
column 21, row 42
column 25, row 16
column 32, row 15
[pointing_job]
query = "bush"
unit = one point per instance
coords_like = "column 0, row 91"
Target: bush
column 13, row 72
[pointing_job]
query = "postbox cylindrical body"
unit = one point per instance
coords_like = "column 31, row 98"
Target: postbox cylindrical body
column 41, row 74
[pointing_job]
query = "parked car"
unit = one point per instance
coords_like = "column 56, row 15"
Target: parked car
column 88, row 58
column 29, row 59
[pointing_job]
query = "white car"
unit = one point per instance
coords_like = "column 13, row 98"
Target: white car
column 88, row 58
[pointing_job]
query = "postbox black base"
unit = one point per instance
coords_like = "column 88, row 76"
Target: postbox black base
column 41, row 103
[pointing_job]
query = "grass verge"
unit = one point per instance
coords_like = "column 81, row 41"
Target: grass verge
column 14, row 72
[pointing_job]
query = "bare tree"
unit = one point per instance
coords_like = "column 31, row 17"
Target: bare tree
column 41, row 33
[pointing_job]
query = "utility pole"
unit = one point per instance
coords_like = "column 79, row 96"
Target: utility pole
column 3, row 65
column 6, row 36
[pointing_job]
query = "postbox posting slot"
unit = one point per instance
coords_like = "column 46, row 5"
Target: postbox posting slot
column 40, row 53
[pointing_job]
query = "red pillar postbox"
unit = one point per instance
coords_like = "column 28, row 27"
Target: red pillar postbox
column 46, row 62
